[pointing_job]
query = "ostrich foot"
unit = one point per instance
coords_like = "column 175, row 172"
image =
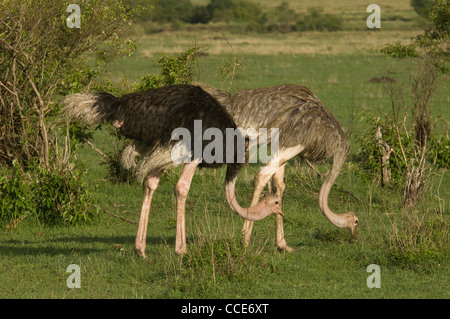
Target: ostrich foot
column 181, row 250
column 282, row 246
column 140, row 252
column 286, row 249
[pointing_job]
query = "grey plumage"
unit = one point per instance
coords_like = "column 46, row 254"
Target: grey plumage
column 300, row 116
column 303, row 122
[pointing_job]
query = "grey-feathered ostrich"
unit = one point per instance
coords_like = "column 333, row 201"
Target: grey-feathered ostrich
column 148, row 119
column 306, row 128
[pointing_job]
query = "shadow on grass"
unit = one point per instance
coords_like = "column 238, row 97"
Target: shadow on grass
column 73, row 245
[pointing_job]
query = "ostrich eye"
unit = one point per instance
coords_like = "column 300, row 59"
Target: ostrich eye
column 277, row 202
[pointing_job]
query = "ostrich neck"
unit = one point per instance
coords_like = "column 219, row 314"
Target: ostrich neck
column 254, row 213
column 335, row 219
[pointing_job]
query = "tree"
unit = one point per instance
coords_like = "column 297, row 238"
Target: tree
column 430, row 53
column 422, row 7
column 432, row 44
column 42, row 59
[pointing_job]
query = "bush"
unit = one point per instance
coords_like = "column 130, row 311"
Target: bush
column 371, row 152
column 422, row 7
column 315, row 20
column 172, row 11
column 280, row 19
column 439, row 151
column 431, row 44
column 417, row 239
column 246, row 11
column 116, row 172
column 53, row 197
column 178, row 69
column 246, row 15
column 403, row 157
column 403, row 145
column 15, row 197
column 61, row 196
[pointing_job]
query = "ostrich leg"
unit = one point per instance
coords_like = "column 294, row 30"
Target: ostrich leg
column 278, row 187
column 150, row 184
column 275, row 167
column 260, row 182
column 181, row 192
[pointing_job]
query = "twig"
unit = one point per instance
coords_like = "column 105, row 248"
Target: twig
column 96, row 149
column 117, row 216
column 387, row 151
column 313, row 168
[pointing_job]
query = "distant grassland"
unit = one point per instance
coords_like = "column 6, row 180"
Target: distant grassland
column 338, row 7
column 399, row 22
column 311, row 43
column 395, row 14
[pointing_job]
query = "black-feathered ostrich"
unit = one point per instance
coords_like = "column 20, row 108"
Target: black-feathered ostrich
column 148, row 118
column 306, row 128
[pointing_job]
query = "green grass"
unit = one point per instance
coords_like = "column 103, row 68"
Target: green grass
column 325, row 263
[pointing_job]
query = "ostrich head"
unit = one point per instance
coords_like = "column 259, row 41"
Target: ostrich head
column 272, row 205
column 268, row 206
column 351, row 221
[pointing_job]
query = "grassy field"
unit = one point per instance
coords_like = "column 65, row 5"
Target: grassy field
column 326, row 262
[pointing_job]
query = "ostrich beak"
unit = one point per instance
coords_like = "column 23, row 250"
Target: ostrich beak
column 353, row 232
column 278, row 211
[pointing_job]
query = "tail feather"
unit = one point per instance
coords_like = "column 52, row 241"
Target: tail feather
column 90, row 108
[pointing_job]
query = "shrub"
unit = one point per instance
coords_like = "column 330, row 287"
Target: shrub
column 15, row 197
column 280, row 19
column 246, row 11
column 370, row 152
column 315, row 20
column 172, row 11
column 61, row 196
column 439, row 151
column 52, row 196
column 431, row 44
column 417, row 239
column 401, row 147
column 178, row 69
column 422, row 7
column 116, row 172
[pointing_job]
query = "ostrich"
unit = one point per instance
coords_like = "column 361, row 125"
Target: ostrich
column 148, row 118
column 306, row 128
